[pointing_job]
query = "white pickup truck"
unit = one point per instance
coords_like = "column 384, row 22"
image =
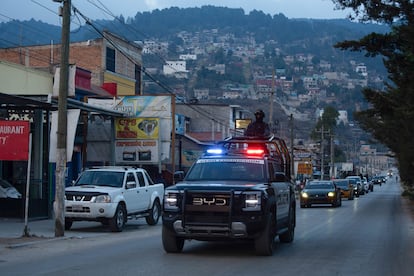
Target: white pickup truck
column 112, row 195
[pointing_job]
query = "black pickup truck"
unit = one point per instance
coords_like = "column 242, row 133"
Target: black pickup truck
column 238, row 190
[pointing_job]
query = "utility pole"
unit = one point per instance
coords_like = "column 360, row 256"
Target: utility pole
column 271, row 102
column 331, row 170
column 292, row 160
column 61, row 154
column 322, row 131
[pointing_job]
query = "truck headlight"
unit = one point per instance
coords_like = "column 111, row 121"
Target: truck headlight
column 170, row 201
column 252, row 201
column 102, row 199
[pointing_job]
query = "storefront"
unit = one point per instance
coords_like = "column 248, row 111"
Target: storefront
column 13, row 171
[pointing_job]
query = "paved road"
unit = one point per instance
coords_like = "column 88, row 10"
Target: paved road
column 371, row 235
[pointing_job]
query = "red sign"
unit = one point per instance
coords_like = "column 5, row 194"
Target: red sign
column 14, row 140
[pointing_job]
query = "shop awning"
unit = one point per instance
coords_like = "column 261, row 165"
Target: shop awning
column 8, row 101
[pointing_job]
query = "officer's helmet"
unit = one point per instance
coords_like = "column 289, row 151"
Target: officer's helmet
column 260, row 113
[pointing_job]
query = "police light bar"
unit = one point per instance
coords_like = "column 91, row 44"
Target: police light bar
column 255, row 151
column 215, row 151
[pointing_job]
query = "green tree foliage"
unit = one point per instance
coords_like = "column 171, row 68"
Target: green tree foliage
column 390, row 118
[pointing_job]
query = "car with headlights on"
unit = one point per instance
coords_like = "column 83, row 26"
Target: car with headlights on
column 239, row 190
column 347, row 189
column 377, row 180
column 320, row 192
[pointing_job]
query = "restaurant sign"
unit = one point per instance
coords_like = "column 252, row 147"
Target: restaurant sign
column 14, row 140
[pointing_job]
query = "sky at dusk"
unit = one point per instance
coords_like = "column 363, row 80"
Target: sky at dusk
column 47, row 10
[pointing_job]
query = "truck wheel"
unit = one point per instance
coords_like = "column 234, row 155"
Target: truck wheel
column 154, row 213
column 117, row 223
column 289, row 235
column 264, row 244
column 171, row 243
column 68, row 224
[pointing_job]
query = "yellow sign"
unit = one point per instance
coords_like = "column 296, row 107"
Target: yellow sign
column 137, row 128
column 305, row 168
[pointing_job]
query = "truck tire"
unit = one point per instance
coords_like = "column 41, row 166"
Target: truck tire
column 68, row 224
column 117, row 223
column 289, row 235
column 154, row 213
column 264, row 244
column 170, row 241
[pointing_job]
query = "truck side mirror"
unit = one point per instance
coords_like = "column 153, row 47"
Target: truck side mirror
column 179, row 176
column 131, row 184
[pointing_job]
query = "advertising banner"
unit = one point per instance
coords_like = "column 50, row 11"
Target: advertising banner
column 14, row 140
column 146, row 135
column 72, row 122
column 134, row 151
column 137, row 128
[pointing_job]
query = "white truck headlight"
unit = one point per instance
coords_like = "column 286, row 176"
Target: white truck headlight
column 252, row 201
column 102, row 199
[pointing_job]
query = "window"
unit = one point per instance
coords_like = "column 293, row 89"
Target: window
column 141, row 179
column 110, row 59
column 131, row 178
column 137, row 79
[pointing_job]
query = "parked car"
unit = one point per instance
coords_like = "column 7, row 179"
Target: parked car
column 112, row 195
column 357, row 182
column 320, row 192
column 8, row 191
column 347, row 189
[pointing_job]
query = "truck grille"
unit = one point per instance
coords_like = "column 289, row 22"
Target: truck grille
column 80, row 196
column 208, row 208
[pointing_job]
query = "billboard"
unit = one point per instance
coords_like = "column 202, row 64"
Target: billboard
column 136, row 151
column 137, row 128
column 14, row 140
column 145, row 135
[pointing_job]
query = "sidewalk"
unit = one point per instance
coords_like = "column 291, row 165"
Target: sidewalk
column 14, row 228
column 12, row 231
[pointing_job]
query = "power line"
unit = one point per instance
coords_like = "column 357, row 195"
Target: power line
column 162, row 85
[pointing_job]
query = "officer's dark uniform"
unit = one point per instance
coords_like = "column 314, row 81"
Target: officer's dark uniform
column 258, row 127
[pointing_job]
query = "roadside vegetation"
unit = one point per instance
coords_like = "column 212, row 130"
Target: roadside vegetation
column 391, row 113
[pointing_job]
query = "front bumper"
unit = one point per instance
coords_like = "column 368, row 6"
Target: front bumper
column 207, row 227
column 89, row 211
column 317, row 200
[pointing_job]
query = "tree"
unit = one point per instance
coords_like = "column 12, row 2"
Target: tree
column 391, row 114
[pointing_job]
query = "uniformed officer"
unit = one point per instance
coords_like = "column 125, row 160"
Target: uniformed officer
column 258, row 127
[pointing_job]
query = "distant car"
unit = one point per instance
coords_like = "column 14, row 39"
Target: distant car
column 377, row 180
column 358, row 186
column 320, row 192
column 347, row 189
column 368, row 186
column 8, row 191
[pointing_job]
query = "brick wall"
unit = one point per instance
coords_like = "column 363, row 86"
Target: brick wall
column 86, row 55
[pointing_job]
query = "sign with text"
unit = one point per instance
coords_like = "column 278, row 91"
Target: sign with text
column 136, row 151
column 14, row 140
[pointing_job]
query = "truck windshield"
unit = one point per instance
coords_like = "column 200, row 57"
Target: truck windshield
column 227, row 170
column 101, row 178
